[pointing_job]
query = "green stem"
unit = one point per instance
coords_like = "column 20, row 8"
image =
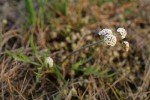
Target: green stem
column 84, row 47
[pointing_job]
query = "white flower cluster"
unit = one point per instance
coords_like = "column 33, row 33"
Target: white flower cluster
column 109, row 38
column 49, row 61
column 123, row 32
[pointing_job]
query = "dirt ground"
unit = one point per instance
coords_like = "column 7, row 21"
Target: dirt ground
column 58, row 29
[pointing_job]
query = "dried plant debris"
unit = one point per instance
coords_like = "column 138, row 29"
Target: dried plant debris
column 52, row 50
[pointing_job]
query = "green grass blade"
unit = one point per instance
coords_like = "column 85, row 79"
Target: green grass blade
column 31, row 11
column 57, row 72
column 34, row 49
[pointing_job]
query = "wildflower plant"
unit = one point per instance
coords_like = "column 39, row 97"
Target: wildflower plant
column 109, row 38
column 47, row 63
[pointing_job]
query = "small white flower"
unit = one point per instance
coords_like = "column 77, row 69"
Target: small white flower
column 4, row 21
column 105, row 32
column 110, row 39
column 123, row 32
column 126, row 45
column 49, row 61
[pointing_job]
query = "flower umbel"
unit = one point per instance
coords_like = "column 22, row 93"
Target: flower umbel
column 110, row 39
column 49, row 61
column 123, row 32
column 105, row 32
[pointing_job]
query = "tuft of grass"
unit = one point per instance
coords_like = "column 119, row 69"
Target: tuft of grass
column 24, row 58
column 40, row 63
column 20, row 56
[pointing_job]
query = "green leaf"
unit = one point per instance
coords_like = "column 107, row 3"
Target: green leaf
column 78, row 64
column 21, row 57
column 102, row 72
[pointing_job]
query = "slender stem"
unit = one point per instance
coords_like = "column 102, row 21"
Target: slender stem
column 86, row 46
